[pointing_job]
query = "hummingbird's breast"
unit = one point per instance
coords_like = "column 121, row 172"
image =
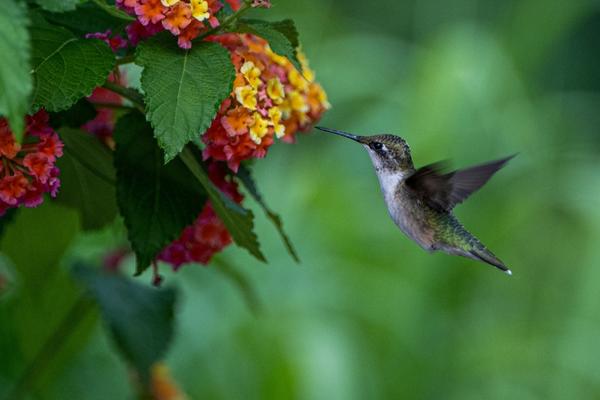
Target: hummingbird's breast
column 406, row 210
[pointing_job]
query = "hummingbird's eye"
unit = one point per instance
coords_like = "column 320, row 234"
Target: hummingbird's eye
column 377, row 146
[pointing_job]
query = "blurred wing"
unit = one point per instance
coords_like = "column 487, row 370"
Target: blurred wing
column 443, row 191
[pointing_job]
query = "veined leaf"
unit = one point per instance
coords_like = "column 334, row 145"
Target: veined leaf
column 140, row 318
column 183, row 88
column 282, row 36
column 156, row 201
column 238, row 220
column 65, row 68
column 15, row 79
column 245, row 177
column 87, row 178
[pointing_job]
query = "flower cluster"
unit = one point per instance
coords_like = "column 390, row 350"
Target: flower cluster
column 186, row 19
column 27, row 171
column 271, row 99
column 208, row 235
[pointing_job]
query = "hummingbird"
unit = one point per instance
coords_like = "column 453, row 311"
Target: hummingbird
column 420, row 201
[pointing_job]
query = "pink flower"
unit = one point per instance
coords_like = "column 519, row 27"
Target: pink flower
column 28, row 171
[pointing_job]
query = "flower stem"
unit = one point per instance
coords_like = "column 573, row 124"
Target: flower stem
column 125, row 60
column 128, row 93
column 226, row 22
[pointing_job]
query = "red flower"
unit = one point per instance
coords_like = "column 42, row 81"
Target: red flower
column 28, row 171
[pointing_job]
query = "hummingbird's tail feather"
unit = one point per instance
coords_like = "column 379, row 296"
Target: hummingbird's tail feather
column 483, row 254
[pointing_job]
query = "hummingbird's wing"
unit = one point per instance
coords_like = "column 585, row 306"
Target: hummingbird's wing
column 443, row 191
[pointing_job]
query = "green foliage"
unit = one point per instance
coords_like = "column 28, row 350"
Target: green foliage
column 245, row 177
column 182, row 89
column 157, row 201
column 87, row 178
column 282, row 36
column 141, row 319
column 64, row 67
column 44, row 297
column 58, row 5
column 238, row 220
column 15, row 79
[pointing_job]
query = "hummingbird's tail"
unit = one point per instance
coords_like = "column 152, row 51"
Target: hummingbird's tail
column 483, row 254
column 455, row 239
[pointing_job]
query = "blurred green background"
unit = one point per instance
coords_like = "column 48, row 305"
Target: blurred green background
column 368, row 314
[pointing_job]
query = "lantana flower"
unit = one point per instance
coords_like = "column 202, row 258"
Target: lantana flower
column 270, row 99
column 186, row 19
column 28, row 170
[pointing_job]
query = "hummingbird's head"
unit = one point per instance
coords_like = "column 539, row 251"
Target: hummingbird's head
column 389, row 153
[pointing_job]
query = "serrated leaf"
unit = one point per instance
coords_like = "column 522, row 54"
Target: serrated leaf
column 156, row 201
column 183, row 88
column 87, row 178
column 141, row 319
column 15, row 79
column 65, row 68
column 58, row 5
column 282, row 36
column 238, row 220
column 246, row 178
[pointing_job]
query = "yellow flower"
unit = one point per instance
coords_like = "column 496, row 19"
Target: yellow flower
column 275, row 90
column 297, row 102
column 317, row 98
column 275, row 115
column 259, row 128
column 169, row 3
column 281, row 60
column 246, row 96
column 252, row 73
column 199, row 9
column 297, row 80
column 163, row 386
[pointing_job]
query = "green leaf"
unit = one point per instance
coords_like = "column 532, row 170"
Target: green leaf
column 238, row 220
column 140, row 318
column 282, row 36
column 65, row 68
column 87, row 178
column 15, row 79
column 58, row 5
column 157, row 201
column 245, row 177
column 183, row 89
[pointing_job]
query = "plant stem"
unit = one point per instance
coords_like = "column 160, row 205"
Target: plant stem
column 238, row 279
column 67, row 326
column 127, row 93
column 125, row 60
column 112, row 106
column 226, row 22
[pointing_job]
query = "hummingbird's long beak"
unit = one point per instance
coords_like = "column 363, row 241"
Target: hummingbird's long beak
column 356, row 138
